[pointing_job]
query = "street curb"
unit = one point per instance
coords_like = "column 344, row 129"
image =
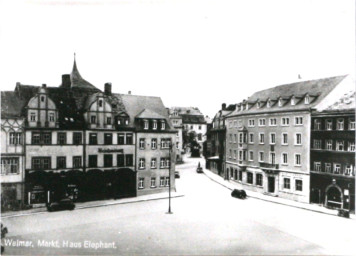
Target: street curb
column 266, row 200
column 92, row 206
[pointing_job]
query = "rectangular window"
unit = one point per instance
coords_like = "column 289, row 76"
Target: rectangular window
column 120, row 160
column 298, row 185
column 250, row 156
column 15, row 138
column 286, row 183
column 77, row 138
column 47, row 138
column 340, row 124
column 61, row 162
column 129, row 138
column 36, row 138
column 77, row 161
column 93, row 161
column 167, row 181
column 351, row 146
column 62, row 138
column 272, row 158
column 317, row 166
column 141, row 183
column 317, row 124
column 107, row 138
column 142, row 143
column 93, row 119
column 251, row 139
column 108, row 120
column 42, row 138
column 317, row 144
column 145, row 124
column 298, row 139
column 261, row 122
column 272, row 121
column 154, row 125
column 261, row 157
column 329, row 144
column 297, row 159
column 154, row 143
column 235, row 154
column 348, row 170
column 235, row 138
column 285, row 121
column 329, row 124
column 165, row 143
column 262, row 138
column 328, row 168
column 161, row 181
column 153, row 182
column 230, row 138
column 9, row 166
column 337, row 168
column 121, row 139
column 284, row 138
column 240, row 175
column 249, row 177
column 163, row 163
column 259, row 179
column 129, row 159
column 352, row 124
column 153, row 163
column 163, row 125
column 93, row 139
column 272, row 138
column 298, row 120
column 339, row 145
column 284, row 158
column 141, row 163
column 251, row 122
column 33, row 117
column 41, row 163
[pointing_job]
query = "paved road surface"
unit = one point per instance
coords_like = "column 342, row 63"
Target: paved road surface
column 207, row 221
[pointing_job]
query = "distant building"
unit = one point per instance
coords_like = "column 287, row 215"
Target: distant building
column 215, row 143
column 193, row 121
column 84, row 143
column 332, row 155
column 177, row 123
column 268, row 137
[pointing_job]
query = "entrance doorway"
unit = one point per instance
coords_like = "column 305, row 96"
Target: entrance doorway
column 334, row 197
column 271, row 184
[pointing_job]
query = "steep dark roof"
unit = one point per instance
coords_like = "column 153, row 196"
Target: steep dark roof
column 77, row 80
column 193, row 119
column 186, row 110
column 11, row 105
column 147, row 113
column 316, row 89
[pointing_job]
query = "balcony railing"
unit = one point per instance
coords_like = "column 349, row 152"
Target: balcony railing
column 268, row 165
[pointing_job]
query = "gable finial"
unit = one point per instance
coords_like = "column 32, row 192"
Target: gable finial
column 74, row 56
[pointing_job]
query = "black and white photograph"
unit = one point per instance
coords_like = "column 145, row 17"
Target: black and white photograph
column 177, row 127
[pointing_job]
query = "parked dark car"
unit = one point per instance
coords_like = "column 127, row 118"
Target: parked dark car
column 241, row 194
column 199, row 169
column 63, row 204
column 176, row 174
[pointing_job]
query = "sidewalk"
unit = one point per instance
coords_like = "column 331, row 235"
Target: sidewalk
column 234, row 185
column 92, row 204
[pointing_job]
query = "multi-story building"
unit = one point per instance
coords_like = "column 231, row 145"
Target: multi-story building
column 84, row 143
column 177, row 123
column 193, row 121
column 215, row 144
column 332, row 155
column 12, row 151
column 268, row 137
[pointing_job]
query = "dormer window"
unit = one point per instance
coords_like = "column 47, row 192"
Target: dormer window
column 154, row 125
column 119, row 121
column 163, row 125
column 100, row 103
column 126, row 121
column 306, row 99
column 292, row 101
column 268, row 103
column 279, row 103
column 258, row 105
column 145, row 124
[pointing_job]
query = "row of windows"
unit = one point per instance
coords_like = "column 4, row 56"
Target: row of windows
column 51, row 117
column 122, row 139
column 164, row 163
column 46, row 138
column 269, row 103
column 334, row 168
column 284, row 121
column 339, row 145
column 261, row 138
column 165, row 143
column 261, row 157
column 329, row 124
column 163, row 182
column 9, row 165
column 153, row 124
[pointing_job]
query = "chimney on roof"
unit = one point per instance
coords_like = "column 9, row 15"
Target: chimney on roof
column 129, row 92
column 107, row 89
column 66, row 81
column 223, row 106
column 44, row 86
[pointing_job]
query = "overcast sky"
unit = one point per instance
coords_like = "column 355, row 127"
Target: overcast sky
column 190, row 53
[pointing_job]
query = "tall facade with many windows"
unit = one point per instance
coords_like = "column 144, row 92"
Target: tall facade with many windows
column 81, row 142
column 332, row 155
column 268, row 137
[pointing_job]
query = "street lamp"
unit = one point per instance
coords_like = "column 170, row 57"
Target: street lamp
column 169, row 191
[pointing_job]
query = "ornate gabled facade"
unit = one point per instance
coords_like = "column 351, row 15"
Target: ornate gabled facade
column 268, row 137
column 78, row 141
